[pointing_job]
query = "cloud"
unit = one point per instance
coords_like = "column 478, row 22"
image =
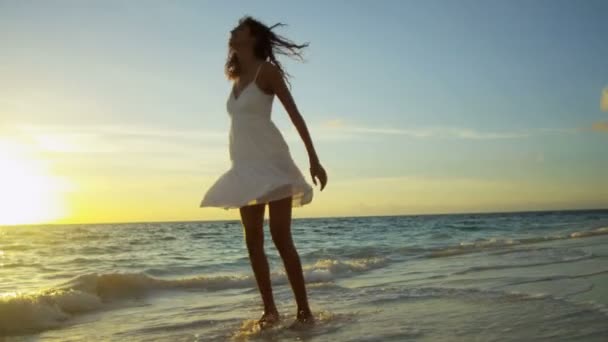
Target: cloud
column 96, row 148
column 472, row 134
column 95, row 151
column 540, row 157
column 600, row 126
column 333, row 123
column 339, row 126
column 604, row 100
column 574, row 130
column 123, row 130
column 113, row 138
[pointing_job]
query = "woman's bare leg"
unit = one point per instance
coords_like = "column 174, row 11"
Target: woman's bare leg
column 252, row 217
column 280, row 228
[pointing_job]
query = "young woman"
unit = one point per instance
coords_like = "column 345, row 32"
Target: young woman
column 263, row 171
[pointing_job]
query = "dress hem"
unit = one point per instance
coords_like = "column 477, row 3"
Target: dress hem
column 299, row 199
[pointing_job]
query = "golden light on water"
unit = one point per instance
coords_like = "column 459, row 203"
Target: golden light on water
column 29, row 193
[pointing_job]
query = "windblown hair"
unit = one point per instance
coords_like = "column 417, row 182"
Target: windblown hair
column 267, row 45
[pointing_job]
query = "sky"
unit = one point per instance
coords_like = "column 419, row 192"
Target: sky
column 115, row 111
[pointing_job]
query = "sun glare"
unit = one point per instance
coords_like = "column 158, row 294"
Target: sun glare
column 29, row 194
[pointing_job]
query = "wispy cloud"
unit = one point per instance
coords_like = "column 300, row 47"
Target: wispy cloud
column 123, row 130
column 98, row 150
column 600, row 126
column 339, row 126
column 339, row 129
column 110, row 138
column 604, row 100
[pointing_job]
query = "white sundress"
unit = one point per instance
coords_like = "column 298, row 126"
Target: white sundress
column 262, row 167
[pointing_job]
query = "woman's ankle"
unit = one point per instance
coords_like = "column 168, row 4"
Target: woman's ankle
column 304, row 312
column 271, row 311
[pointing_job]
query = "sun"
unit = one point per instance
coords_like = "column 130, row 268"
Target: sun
column 29, row 194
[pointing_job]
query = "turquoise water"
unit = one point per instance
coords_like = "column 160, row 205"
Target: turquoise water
column 507, row 276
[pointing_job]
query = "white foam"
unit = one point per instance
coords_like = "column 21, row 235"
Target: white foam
column 20, row 312
column 43, row 310
column 466, row 247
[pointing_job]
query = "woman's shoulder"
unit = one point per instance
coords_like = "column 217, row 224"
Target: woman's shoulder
column 268, row 67
column 269, row 71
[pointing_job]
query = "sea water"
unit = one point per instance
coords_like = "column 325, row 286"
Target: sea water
column 461, row 277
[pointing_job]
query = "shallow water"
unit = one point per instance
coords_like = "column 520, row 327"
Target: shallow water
column 508, row 276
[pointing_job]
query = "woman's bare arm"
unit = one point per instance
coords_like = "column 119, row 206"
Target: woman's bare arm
column 279, row 88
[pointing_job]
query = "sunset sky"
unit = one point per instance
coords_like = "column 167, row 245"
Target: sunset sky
column 114, row 111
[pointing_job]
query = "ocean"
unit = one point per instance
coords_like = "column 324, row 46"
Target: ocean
column 461, row 277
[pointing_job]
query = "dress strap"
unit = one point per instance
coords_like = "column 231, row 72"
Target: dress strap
column 258, row 72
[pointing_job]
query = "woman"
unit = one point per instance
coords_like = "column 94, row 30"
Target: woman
column 263, row 171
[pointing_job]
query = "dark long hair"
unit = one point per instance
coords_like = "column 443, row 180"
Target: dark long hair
column 267, row 45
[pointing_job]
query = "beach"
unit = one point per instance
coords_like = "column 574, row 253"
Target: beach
column 456, row 277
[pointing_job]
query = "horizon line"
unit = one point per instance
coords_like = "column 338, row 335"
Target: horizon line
column 311, row 218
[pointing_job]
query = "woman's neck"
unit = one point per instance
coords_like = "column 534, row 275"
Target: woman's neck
column 248, row 62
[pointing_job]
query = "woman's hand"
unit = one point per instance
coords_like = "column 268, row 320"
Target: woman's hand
column 316, row 170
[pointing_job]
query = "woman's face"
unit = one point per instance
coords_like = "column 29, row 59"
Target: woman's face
column 241, row 38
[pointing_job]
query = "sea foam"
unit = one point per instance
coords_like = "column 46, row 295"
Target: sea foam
column 25, row 312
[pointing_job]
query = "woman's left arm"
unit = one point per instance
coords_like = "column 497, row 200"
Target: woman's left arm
column 279, row 87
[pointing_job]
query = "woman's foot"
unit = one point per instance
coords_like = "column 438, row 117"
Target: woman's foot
column 304, row 319
column 268, row 319
column 305, row 316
